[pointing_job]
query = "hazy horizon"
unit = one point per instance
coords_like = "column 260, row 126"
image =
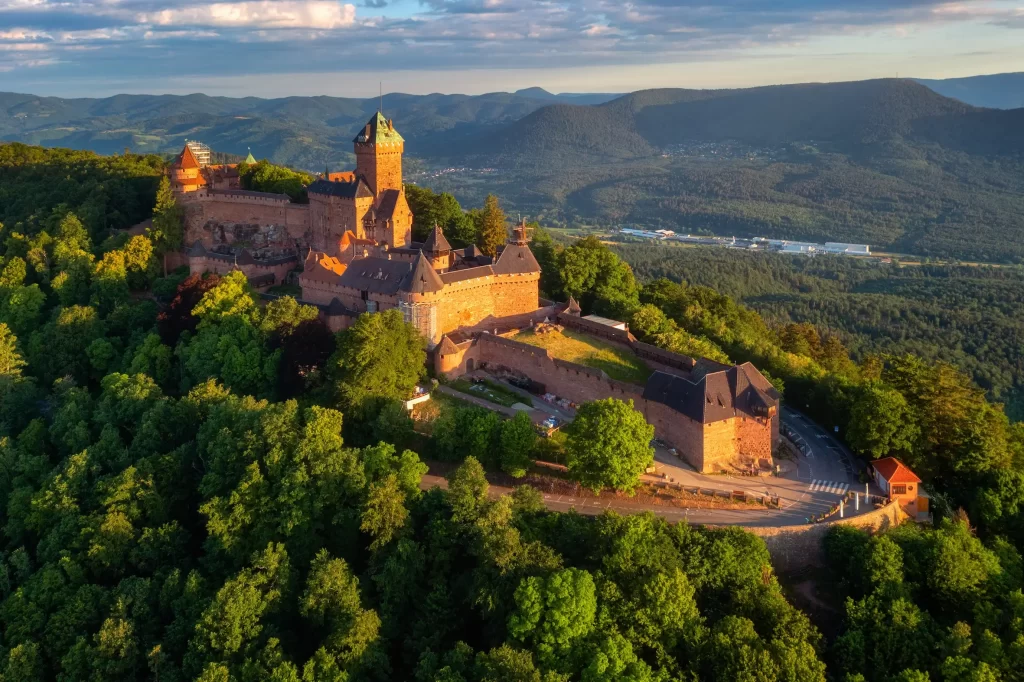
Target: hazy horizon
column 510, row 90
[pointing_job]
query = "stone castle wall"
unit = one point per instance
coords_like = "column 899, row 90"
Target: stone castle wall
column 199, row 265
column 796, row 547
column 484, row 301
column 479, row 303
column 202, row 207
column 748, row 436
column 381, row 166
column 707, row 448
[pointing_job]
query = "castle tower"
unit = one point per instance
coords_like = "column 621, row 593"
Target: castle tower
column 379, row 149
column 185, row 171
column 437, row 249
column 417, row 299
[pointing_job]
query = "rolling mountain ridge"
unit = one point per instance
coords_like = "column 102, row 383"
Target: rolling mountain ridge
column 887, row 162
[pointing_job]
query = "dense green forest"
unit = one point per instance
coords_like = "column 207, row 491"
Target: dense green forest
column 200, row 484
column 896, row 196
column 970, row 316
column 38, row 187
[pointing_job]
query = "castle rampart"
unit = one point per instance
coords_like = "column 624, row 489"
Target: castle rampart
column 737, row 440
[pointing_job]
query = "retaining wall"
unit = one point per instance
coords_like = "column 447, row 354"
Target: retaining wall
column 795, row 547
column 739, row 440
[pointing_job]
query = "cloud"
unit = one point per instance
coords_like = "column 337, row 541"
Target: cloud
column 155, row 39
column 320, row 14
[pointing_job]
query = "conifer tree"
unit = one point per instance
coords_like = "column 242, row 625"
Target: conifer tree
column 492, row 229
column 167, row 230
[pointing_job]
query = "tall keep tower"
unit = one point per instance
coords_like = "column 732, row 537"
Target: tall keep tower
column 379, row 150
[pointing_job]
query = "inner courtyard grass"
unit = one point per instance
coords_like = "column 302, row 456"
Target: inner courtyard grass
column 571, row 346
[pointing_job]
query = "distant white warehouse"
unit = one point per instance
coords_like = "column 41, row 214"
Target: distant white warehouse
column 786, row 246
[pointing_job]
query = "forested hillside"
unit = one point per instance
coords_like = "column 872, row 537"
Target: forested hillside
column 305, row 132
column 198, row 484
column 970, row 316
column 998, row 91
column 887, row 162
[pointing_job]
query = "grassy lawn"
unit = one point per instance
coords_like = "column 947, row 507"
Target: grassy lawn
column 571, row 346
column 489, row 390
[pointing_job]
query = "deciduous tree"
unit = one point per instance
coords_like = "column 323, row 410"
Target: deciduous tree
column 609, row 445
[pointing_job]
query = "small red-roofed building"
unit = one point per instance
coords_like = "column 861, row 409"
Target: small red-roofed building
column 900, row 484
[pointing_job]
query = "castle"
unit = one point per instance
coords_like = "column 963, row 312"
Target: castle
column 354, row 241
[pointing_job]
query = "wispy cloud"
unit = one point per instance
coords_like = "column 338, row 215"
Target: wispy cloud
column 155, row 38
column 321, row 14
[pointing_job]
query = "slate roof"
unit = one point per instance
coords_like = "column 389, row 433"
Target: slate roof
column 423, row 279
column 681, row 395
column 446, row 347
column 378, row 130
column 344, row 190
column 573, row 308
column 895, row 471
column 453, row 276
column 470, row 257
column 516, row 259
column 714, row 395
column 436, row 242
column 471, row 251
column 378, row 275
column 239, row 257
column 386, row 203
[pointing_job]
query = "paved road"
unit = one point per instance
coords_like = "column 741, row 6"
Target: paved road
column 821, row 475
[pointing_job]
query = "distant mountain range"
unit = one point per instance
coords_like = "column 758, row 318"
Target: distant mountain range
column 889, row 162
column 845, row 116
column 301, row 131
column 999, row 91
column 515, row 128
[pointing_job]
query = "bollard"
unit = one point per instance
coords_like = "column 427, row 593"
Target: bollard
column 865, row 492
column 856, row 502
column 842, row 504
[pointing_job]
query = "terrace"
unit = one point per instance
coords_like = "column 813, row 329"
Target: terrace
column 617, row 362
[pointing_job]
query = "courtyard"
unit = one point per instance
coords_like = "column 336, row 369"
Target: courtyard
column 617, row 362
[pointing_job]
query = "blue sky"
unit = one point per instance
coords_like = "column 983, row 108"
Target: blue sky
column 307, row 47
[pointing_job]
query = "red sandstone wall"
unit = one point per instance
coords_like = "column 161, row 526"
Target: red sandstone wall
column 455, row 365
column 222, row 267
column 381, row 166
column 297, row 222
column 740, row 440
column 582, row 384
column 706, row 447
column 330, row 217
column 682, row 433
column 201, row 207
column 796, row 547
column 482, row 301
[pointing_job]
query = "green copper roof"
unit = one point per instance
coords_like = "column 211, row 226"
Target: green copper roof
column 378, row 130
column 249, row 158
